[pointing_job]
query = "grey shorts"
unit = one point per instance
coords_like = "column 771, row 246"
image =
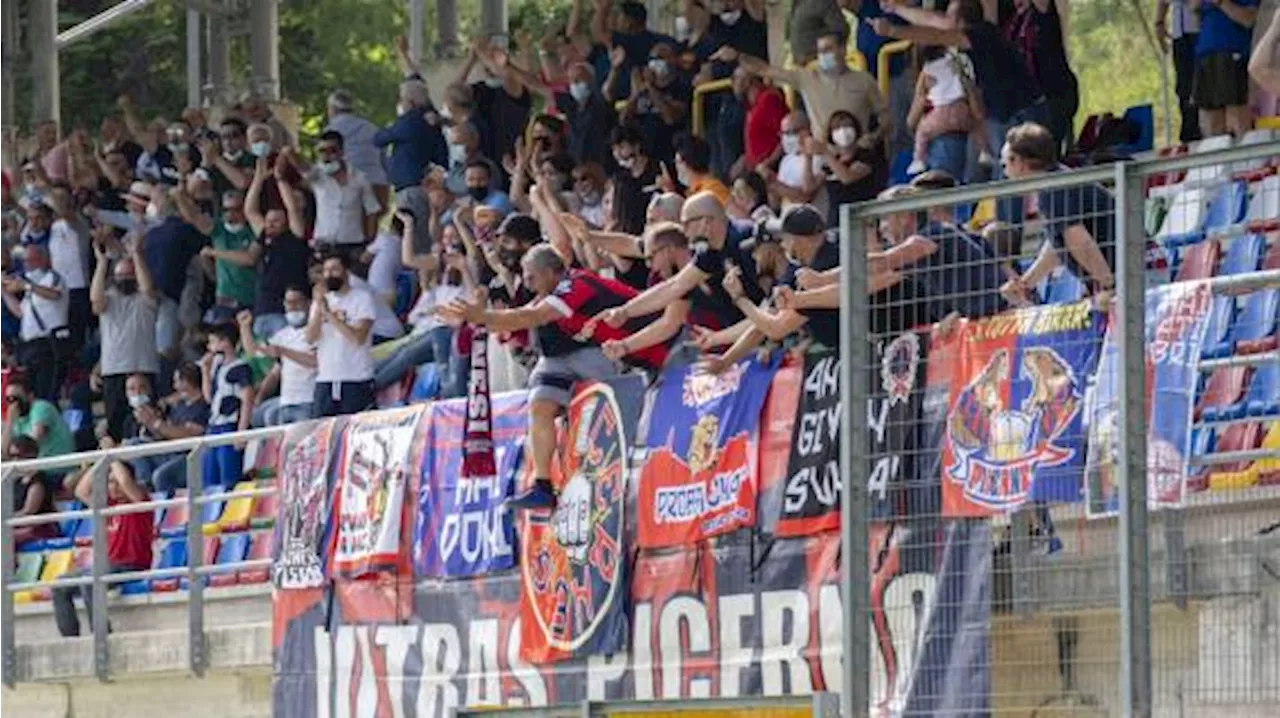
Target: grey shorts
column 553, row 378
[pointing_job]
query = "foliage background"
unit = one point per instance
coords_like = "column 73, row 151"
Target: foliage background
column 348, row 43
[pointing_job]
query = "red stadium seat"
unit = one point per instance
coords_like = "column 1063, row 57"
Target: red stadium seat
column 1255, row 328
column 175, row 518
column 1235, row 475
column 1199, row 262
column 259, row 548
column 1224, row 390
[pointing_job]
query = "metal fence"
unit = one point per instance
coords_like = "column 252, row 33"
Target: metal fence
column 1136, row 601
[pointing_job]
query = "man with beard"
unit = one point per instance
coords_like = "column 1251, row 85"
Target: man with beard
column 341, row 329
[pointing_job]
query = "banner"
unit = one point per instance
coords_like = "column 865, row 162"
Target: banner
column 302, row 482
column 1014, row 430
column 699, row 477
column 1177, row 316
column 463, row 527
column 573, row 560
column 703, row 623
column 811, row 493
column 477, row 448
column 376, row 462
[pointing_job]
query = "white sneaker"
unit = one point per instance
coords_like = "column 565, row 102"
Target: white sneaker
column 916, row 167
column 985, row 159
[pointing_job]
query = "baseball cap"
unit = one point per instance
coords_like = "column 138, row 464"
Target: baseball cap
column 521, row 227
column 800, row 219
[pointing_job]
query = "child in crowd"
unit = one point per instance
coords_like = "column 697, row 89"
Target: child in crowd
column 946, row 101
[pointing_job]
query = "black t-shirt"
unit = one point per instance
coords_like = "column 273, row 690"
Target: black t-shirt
column 1000, row 74
column 839, row 193
column 637, row 276
column 659, row 136
column 589, row 128
column 1090, row 206
column 284, row 264
column 963, row 275
column 168, row 250
column 109, row 198
column 824, row 324
column 631, row 197
column 189, row 412
column 637, row 48
column 506, row 116
column 710, row 304
column 748, row 36
column 22, row 486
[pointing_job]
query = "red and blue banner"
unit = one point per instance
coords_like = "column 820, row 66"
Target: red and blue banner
column 1176, row 319
column 1015, row 427
column 573, row 560
column 303, row 481
column 463, row 526
column 699, row 477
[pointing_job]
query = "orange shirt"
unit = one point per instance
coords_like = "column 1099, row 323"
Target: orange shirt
column 712, row 185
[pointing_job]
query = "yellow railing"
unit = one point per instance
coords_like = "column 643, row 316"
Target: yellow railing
column 887, row 51
column 699, row 119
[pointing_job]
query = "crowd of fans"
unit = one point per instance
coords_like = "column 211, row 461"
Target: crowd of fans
column 198, row 277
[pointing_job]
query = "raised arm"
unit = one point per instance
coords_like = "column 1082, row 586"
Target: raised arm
column 135, row 125
column 1264, row 66
column 288, row 197
column 146, row 283
column 98, row 284
column 600, row 23
column 253, row 199
column 190, row 212
column 656, row 298
column 656, row 332
column 755, row 65
column 1245, row 15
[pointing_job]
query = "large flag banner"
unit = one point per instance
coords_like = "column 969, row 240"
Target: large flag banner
column 1177, row 317
column 703, row 623
column 811, row 491
column 699, row 477
column 463, row 526
column 1015, row 430
column 573, row 560
column 302, row 482
column 375, row 466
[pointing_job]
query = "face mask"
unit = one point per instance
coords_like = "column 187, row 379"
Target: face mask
column 844, row 136
column 446, row 113
column 478, row 193
column 137, row 401
column 828, row 62
column 790, row 143
column 682, row 28
column 233, row 227
column 232, row 156
column 153, row 212
column 658, row 65
column 627, row 163
column 580, row 91
column 457, row 153
column 127, row 286
column 333, row 283
column 260, row 149
column 295, row 319
column 682, row 174
column 510, row 258
column 178, row 147
column 493, row 82
column 730, row 17
column 330, row 167
column 591, row 198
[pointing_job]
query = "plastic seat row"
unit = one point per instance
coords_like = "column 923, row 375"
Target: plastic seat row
column 1172, row 182
column 1240, row 474
column 1229, row 207
column 1236, row 392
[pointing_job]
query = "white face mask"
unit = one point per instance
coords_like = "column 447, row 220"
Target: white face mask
column 844, row 136
column 153, row 212
column 658, row 65
column 790, row 143
column 682, row 29
column 493, row 82
column 445, row 113
column 330, row 167
column 457, row 153
column 260, row 149
column 828, row 62
column 137, row 401
column 580, row 91
column 233, row 227
column 730, row 17
column 296, row 319
column 232, row 156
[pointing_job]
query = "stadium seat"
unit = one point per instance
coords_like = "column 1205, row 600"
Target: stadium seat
column 212, row 545
column 259, row 548
column 1155, row 211
column 1184, row 222
column 1253, row 137
column 1263, row 398
column 82, row 558
column 1272, row 260
column 1268, row 470
column 1255, row 327
column 235, row 517
column 56, row 563
column 231, row 550
column 1158, row 185
column 1235, row 475
column 27, row 571
column 1198, row 262
column 67, row 527
column 1243, row 255
column 1208, row 174
column 1222, row 393
column 211, row 511
column 175, row 518
column 264, row 512
column 159, row 515
column 1221, row 315
column 1227, row 206
column 1264, row 205
column 84, row 532
column 172, row 554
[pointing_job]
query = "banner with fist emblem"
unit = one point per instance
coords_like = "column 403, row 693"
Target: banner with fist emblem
column 1014, row 429
column 572, row 560
column 377, row 458
column 700, row 474
column 304, row 503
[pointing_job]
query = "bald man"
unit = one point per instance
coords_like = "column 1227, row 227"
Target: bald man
column 707, row 226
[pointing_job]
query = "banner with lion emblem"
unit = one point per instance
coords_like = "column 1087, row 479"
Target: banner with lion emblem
column 304, row 494
column 700, row 475
column 376, row 464
column 1014, row 428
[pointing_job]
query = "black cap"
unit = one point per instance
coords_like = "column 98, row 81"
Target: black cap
column 521, row 227
column 801, row 219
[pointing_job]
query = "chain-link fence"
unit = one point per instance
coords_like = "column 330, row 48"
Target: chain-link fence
column 1080, row 370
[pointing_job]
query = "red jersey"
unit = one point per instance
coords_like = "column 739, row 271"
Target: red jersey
column 762, row 131
column 129, row 538
column 579, row 298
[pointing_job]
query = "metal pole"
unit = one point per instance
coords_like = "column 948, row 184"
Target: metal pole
column 446, row 27
column 264, row 48
column 417, row 24
column 194, row 84
column 1135, row 580
column 219, row 60
column 101, row 567
column 9, row 28
column 9, row 661
column 493, row 18
column 195, row 558
column 43, row 32
column 100, row 21
column 855, row 357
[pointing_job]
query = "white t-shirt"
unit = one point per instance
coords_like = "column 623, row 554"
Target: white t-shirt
column 341, row 208
column 68, row 253
column 340, row 359
column 297, row 382
column 385, row 265
column 791, row 174
column 53, row 312
column 423, row 316
column 385, row 322
column 947, row 87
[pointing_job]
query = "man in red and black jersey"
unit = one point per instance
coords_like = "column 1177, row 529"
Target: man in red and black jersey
column 562, row 319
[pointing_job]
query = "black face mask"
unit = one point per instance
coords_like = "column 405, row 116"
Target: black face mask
column 510, row 258
column 453, row 277
column 334, row 283
column 478, row 193
column 127, row 286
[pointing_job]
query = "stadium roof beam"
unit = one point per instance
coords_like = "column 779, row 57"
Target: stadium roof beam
column 97, row 22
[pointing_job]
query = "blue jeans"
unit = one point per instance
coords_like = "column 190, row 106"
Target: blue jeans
column 223, row 465
column 266, row 325
column 170, row 476
column 949, row 153
column 271, row 413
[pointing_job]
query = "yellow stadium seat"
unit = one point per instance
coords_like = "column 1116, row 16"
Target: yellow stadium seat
column 237, row 512
column 28, row 570
column 56, row 563
column 1268, row 470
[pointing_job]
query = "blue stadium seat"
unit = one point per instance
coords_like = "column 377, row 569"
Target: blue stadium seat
column 159, row 496
column 1202, row 440
column 1142, row 117
column 212, row 511
column 84, row 532
column 1221, row 316
column 67, row 527
column 233, row 548
column 172, row 554
column 1255, row 327
column 211, row 544
column 1223, row 393
column 1263, row 398
column 1227, row 207
column 1244, row 255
